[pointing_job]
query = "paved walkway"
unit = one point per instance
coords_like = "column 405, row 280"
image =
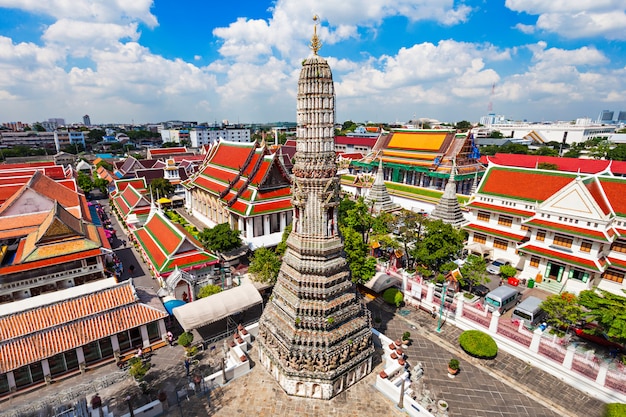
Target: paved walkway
column 505, row 386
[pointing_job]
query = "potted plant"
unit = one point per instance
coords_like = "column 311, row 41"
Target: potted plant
column 453, row 366
column 138, row 369
column 406, row 337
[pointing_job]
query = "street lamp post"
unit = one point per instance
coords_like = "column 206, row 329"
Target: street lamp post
column 443, row 301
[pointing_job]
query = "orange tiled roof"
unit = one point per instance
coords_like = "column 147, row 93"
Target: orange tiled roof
column 167, row 151
column 420, row 140
column 615, row 190
column 537, row 185
column 38, row 333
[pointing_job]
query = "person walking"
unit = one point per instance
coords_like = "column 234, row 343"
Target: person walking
column 187, row 366
column 170, row 338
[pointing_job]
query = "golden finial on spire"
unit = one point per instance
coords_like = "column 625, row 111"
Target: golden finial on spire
column 315, row 41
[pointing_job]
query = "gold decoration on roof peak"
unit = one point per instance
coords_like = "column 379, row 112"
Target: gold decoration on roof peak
column 316, row 44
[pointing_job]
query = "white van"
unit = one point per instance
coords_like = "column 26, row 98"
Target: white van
column 530, row 311
column 502, row 299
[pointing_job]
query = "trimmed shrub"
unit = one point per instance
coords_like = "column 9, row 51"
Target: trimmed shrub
column 478, row 344
column 393, row 296
column 615, row 410
column 185, row 339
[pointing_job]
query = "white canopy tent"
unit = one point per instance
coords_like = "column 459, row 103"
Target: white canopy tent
column 217, row 306
column 381, row 281
column 479, row 249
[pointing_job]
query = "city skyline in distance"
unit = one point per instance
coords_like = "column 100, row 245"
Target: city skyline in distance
column 149, row 61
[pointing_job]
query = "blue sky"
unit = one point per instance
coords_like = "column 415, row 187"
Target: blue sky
column 153, row 60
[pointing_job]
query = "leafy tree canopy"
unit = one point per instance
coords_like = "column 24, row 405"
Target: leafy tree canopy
column 548, row 165
column 160, row 187
column 360, row 219
column 562, row 309
column 282, row 246
column 362, row 266
column 221, row 238
column 439, row 245
column 463, row 125
column 546, row 151
column 85, row 182
column 264, row 266
column 474, row 272
column 209, row 290
column 618, row 153
column 408, row 227
column 606, row 309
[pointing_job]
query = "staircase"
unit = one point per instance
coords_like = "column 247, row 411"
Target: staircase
column 550, row 285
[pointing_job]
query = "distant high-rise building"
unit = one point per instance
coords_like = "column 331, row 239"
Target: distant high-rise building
column 86, row 120
column 605, row 116
column 621, row 117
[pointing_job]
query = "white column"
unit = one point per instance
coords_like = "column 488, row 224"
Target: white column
column 534, row 344
column 569, row 357
column 430, row 293
column 162, row 329
column 249, row 228
column 45, row 367
column 601, row 378
column 459, row 306
column 405, row 282
column 240, row 224
column 115, row 344
column 11, row 381
column 144, row 335
column 266, row 225
column 493, row 325
column 80, row 355
column 283, row 220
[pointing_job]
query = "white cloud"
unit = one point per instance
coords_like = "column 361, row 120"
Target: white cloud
column 81, row 37
column 527, row 29
column 88, row 10
column 575, row 19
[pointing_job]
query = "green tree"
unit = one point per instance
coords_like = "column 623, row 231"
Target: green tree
column 209, row 290
column 264, row 266
column 562, row 309
column 408, row 227
column 106, row 165
column 160, row 187
column 346, row 204
column 515, row 148
column 440, row 244
column 95, row 135
column 618, row 153
column 282, row 246
column 221, row 238
column 547, row 165
column 360, row 219
column 496, row 134
column 572, row 153
column 39, row 128
column 85, row 182
column 463, row 126
column 546, row 151
column 474, row 272
column 362, row 265
column 608, row 310
column 507, row 271
column 102, row 185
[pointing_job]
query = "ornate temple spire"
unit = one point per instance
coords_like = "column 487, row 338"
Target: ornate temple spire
column 316, row 44
column 315, row 333
column 448, row 209
column 379, row 197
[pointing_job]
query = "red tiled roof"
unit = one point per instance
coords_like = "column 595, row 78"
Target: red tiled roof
column 495, row 232
column 208, row 184
column 167, row 151
column 261, row 208
column 151, row 248
column 282, row 192
column 218, row 173
column 560, row 256
column 500, row 209
column 231, row 155
column 357, row 141
column 522, row 184
column 590, row 166
column 596, row 192
column 616, row 262
column 573, row 230
column 260, row 174
column 137, row 183
column 253, row 161
column 61, row 259
column 46, row 331
column 615, row 190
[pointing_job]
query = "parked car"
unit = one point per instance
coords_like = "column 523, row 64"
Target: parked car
column 596, row 337
column 494, row 266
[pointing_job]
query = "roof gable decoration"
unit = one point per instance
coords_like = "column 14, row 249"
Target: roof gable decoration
column 275, row 175
column 574, row 200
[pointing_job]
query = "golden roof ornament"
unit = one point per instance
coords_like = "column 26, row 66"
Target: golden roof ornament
column 316, row 44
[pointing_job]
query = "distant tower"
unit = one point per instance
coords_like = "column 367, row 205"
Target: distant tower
column 315, row 333
column 86, row 120
column 605, row 116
